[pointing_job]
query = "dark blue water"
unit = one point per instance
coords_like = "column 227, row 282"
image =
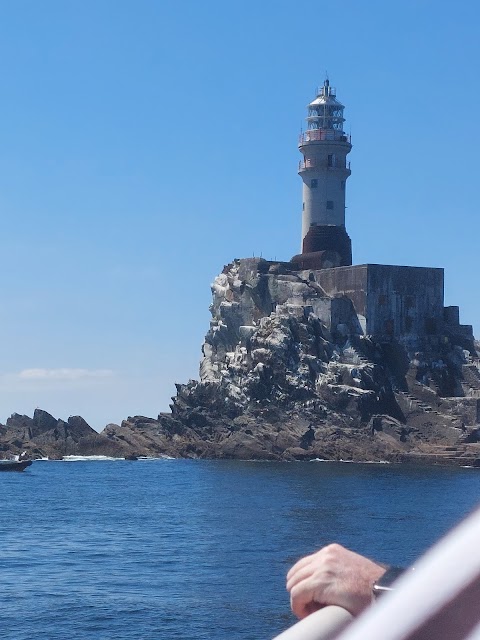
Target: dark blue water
column 198, row 549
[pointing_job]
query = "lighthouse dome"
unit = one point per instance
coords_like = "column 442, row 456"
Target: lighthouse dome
column 326, row 112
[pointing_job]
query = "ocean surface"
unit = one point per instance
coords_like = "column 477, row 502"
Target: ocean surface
column 198, row 549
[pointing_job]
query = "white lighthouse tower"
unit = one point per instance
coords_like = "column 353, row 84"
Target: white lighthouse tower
column 324, row 171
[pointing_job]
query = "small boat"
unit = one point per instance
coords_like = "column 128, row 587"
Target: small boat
column 14, row 465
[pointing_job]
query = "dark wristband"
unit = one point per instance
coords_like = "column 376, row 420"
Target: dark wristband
column 385, row 583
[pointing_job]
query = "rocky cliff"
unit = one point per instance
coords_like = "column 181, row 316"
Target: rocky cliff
column 280, row 378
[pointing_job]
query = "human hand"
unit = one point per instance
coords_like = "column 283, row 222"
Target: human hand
column 332, row 576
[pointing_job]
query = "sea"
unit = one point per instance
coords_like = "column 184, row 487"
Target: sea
column 198, row 549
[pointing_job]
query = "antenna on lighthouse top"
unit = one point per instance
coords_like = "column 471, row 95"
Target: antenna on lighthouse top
column 326, row 85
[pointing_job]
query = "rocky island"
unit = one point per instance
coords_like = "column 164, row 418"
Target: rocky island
column 310, row 358
column 287, row 374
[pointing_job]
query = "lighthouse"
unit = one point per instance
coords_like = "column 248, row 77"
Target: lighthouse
column 324, row 171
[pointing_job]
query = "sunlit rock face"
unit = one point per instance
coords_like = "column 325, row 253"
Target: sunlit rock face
column 267, row 345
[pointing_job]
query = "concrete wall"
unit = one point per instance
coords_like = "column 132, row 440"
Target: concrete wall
column 404, row 301
column 390, row 301
column 346, row 281
column 335, row 312
column 452, row 315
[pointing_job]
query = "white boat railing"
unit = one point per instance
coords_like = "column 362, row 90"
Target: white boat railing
column 321, row 625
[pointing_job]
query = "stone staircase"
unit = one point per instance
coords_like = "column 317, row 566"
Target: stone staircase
column 354, row 353
column 410, row 403
column 351, row 355
column 467, row 455
column 414, row 403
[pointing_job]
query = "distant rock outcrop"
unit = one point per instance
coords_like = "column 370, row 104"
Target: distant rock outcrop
column 45, row 436
column 287, row 374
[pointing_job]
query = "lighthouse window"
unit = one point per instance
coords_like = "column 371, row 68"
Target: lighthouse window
column 331, row 160
column 329, row 204
column 342, row 184
column 303, row 206
column 314, row 183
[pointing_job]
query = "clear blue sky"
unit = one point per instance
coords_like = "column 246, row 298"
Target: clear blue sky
column 146, row 143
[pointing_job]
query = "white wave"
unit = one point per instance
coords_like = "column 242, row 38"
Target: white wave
column 162, row 456
column 352, row 461
column 90, row 458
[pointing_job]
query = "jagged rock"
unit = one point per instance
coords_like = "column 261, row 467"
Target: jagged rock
column 45, row 436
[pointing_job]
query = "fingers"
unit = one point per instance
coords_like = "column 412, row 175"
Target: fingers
column 302, row 574
column 299, row 603
column 300, row 564
column 303, row 600
column 305, row 584
column 310, row 580
column 308, row 565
